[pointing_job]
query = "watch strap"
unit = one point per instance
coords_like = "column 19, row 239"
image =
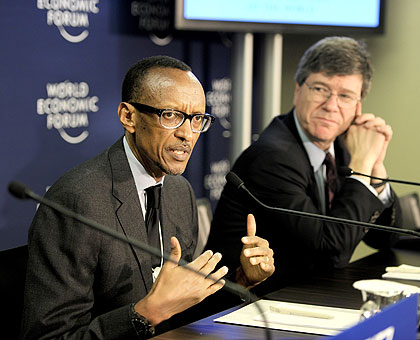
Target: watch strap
column 141, row 325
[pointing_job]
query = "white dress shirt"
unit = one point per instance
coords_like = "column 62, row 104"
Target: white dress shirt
column 143, row 180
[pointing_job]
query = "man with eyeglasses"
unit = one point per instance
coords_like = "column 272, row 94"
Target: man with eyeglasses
column 294, row 165
column 82, row 284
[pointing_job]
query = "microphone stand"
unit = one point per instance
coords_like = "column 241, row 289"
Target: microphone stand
column 344, row 171
column 236, row 181
column 20, row 191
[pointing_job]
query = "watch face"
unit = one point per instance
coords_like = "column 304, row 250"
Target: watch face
column 141, row 324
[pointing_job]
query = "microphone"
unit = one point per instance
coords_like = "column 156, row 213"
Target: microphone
column 347, row 172
column 234, row 179
column 19, row 190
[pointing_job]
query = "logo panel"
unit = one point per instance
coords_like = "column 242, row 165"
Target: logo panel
column 71, row 17
column 66, row 109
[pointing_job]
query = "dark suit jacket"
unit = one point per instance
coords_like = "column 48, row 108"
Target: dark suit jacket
column 276, row 169
column 80, row 282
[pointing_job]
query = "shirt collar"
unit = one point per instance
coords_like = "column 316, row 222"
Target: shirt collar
column 315, row 154
column 142, row 179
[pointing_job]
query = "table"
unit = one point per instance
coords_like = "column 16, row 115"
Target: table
column 333, row 289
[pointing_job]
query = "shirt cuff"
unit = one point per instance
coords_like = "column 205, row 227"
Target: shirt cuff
column 385, row 196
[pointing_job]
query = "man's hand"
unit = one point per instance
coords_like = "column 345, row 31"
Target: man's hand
column 177, row 288
column 257, row 261
column 373, row 126
column 365, row 143
column 369, row 121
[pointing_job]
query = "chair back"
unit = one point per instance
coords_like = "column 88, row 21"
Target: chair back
column 205, row 216
column 12, row 282
column 410, row 210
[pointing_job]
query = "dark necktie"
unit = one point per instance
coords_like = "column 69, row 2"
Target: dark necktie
column 331, row 183
column 152, row 219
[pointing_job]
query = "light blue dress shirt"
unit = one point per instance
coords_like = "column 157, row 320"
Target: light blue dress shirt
column 316, row 158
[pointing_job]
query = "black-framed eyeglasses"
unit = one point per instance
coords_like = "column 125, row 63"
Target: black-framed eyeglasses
column 172, row 119
column 321, row 94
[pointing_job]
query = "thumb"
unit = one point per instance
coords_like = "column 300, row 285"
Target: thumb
column 175, row 252
column 251, row 226
column 358, row 109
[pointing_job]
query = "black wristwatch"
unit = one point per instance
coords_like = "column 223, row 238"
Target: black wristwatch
column 142, row 326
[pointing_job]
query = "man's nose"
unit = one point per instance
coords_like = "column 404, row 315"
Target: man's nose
column 332, row 103
column 184, row 131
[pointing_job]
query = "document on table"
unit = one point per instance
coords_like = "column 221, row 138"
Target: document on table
column 402, row 272
column 293, row 317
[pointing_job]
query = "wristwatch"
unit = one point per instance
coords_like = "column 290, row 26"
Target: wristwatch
column 142, row 326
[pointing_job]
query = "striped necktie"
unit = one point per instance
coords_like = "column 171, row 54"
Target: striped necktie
column 331, row 183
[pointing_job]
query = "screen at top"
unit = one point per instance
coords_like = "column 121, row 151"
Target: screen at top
column 356, row 13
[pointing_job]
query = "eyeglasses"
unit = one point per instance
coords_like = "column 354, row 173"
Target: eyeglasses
column 320, row 94
column 172, row 119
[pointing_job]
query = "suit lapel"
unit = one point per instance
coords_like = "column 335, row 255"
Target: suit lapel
column 128, row 211
column 289, row 121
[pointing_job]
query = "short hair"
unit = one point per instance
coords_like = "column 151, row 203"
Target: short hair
column 337, row 56
column 133, row 81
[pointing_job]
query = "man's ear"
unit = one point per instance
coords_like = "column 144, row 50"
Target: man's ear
column 295, row 94
column 125, row 115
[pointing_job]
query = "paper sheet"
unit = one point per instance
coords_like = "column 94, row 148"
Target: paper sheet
column 250, row 315
column 401, row 276
column 402, row 272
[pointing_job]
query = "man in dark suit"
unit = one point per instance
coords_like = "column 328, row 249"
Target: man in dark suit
column 83, row 284
column 287, row 168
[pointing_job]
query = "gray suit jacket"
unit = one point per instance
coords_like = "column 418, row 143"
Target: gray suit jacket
column 80, row 282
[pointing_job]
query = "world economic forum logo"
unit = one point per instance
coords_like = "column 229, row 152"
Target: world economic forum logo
column 219, row 102
column 67, row 109
column 70, row 15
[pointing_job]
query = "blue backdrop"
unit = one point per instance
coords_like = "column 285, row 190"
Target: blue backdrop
column 62, row 65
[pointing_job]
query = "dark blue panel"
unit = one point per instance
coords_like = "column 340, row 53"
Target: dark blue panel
column 62, row 70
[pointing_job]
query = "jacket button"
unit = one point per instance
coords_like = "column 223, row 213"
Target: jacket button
column 374, row 217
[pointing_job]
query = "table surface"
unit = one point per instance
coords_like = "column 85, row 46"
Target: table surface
column 334, row 289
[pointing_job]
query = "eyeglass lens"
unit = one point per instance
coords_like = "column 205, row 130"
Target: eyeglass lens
column 174, row 119
column 321, row 94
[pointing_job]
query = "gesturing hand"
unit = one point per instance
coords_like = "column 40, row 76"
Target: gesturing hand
column 177, row 288
column 257, row 261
